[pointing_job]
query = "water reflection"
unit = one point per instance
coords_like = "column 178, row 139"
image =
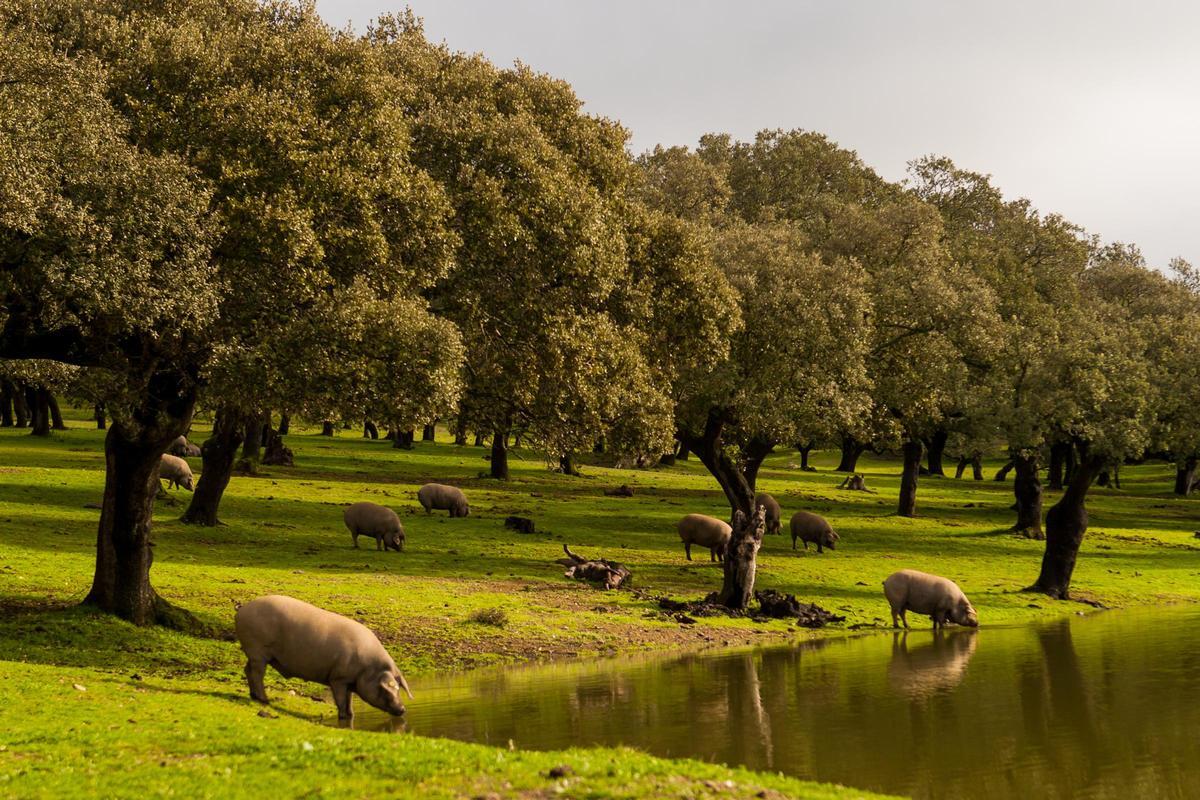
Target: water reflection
column 1096, row 707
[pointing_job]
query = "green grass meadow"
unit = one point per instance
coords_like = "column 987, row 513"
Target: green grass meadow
column 96, row 706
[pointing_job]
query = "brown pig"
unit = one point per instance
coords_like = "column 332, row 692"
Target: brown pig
column 808, row 527
column 302, row 641
column 376, row 521
column 773, row 512
column 443, row 498
column 707, row 532
column 940, row 598
column 175, row 471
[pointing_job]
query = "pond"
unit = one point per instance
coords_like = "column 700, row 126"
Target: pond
column 1098, row 706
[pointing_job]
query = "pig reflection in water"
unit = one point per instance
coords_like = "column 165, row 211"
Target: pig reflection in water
column 934, row 667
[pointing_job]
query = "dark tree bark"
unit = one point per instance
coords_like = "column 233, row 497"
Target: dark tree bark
column 327, row 428
column 683, row 452
column 252, row 440
column 1028, row 491
column 851, row 450
column 1066, row 523
column 566, row 465
column 20, row 405
column 460, row 438
column 667, row 459
column 285, row 424
column 429, row 433
column 56, row 417
column 737, row 588
column 756, row 452
column 500, row 454
column 478, row 440
column 1103, row 479
column 937, row 447
column 599, row 446
column 275, row 452
column 977, row 467
column 804, row 448
column 217, row 456
column 6, row 403
column 100, row 417
column 38, row 400
column 908, row 478
column 370, row 430
column 404, row 439
column 460, row 429
column 1072, row 462
column 121, row 583
column 1058, row 462
column 963, row 463
column 1185, row 476
column 1002, row 473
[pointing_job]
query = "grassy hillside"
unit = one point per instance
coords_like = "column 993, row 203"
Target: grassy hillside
column 164, row 698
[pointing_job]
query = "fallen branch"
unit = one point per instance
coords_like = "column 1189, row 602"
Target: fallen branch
column 608, row 573
column 855, row 483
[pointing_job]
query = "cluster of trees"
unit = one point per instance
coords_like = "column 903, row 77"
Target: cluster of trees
column 228, row 204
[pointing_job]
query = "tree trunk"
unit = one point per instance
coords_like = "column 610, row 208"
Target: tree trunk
column 851, row 450
column 429, row 433
column 403, row 440
column 275, row 452
column 756, row 452
column 1102, row 478
column 566, row 465
column 38, row 400
column 1072, row 463
column 963, row 461
column 460, row 430
column 285, row 424
column 1002, row 473
column 56, row 417
column 6, row 403
column 327, row 428
column 252, row 440
column 1058, row 459
column 20, row 405
column 478, row 440
column 1185, row 476
column 804, row 449
column 1066, row 523
column 977, row 467
column 937, row 447
column 908, row 478
column 217, row 457
column 370, row 430
column 667, row 459
column 741, row 559
column 1028, row 491
column 101, row 419
column 132, row 451
column 683, row 452
column 500, row 454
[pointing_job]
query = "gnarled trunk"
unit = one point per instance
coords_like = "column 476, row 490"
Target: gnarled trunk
column 20, row 405
column 566, row 465
column 252, row 440
column 101, row 419
column 6, row 403
column 275, row 452
column 741, row 559
column 429, row 433
column 1002, row 473
column 1066, row 523
column 977, row 467
column 756, row 452
column 1028, row 491
column 404, row 439
column 908, row 478
column 56, row 417
column 285, row 424
column 683, row 452
column 963, row 463
column 500, row 454
column 937, row 447
column 1185, row 476
column 478, row 440
column 132, row 451
column 851, row 450
column 370, row 430
column 327, row 428
column 804, row 448
column 217, row 453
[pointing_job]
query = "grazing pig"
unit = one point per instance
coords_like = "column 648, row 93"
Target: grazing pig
column 773, row 513
column 940, row 598
column 303, row 641
column 178, row 447
column 443, row 498
column 376, row 521
column 176, row 472
column 707, row 532
column 808, row 527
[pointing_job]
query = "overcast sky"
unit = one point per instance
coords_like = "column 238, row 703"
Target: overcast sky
column 1090, row 108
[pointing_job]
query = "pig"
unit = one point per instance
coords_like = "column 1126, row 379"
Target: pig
column 773, row 513
column 178, row 447
column 443, row 498
column 940, row 598
column 302, row 641
column 808, row 527
column 376, row 521
column 176, row 472
column 707, row 532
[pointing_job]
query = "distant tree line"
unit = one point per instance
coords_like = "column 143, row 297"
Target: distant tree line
column 229, row 205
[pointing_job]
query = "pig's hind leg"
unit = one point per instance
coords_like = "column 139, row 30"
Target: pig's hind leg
column 255, row 671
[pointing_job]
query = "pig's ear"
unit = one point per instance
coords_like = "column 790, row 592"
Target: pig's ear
column 404, row 684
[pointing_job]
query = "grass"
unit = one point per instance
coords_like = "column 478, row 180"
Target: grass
column 284, row 534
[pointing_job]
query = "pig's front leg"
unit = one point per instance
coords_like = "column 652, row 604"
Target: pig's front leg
column 341, row 698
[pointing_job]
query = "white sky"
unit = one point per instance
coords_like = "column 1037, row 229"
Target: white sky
column 1090, row 108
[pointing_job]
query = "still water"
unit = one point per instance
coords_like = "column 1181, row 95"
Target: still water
column 1103, row 706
